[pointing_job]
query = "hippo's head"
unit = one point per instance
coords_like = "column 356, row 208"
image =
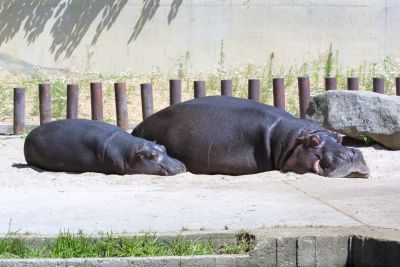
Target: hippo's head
column 322, row 153
column 152, row 158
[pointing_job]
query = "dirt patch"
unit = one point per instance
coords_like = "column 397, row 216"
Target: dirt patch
column 383, row 164
column 36, row 201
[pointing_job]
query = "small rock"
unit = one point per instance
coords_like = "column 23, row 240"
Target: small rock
column 357, row 114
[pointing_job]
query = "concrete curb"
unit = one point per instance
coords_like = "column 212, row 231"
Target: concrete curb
column 192, row 261
column 297, row 247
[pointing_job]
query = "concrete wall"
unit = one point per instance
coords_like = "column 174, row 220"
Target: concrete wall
column 113, row 36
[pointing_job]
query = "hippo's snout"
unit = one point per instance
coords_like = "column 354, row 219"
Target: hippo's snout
column 360, row 169
column 174, row 167
column 349, row 164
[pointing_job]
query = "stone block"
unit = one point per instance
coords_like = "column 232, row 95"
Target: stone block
column 264, row 253
column 198, row 261
column 359, row 113
column 332, row 250
column 306, row 251
column 286, row 251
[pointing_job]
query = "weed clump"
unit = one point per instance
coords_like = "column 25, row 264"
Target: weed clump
column 79, row 245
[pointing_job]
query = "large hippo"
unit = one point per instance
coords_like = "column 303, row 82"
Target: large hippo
column 92, row 146
column 227, row 135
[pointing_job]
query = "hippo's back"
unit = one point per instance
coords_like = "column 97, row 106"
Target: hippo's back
column 214, row 134
column 225, row 105
column 210, row 113
column 68, row 145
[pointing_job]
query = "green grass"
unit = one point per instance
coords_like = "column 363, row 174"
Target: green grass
column 326, row 65
column 12, row 248
column 79, row 245
column 329, row 63
column 6, row 98
column 366, row 140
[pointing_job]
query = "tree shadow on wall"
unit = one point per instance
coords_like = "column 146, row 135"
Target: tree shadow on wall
column 70, row 27
column 35, row 13
column 174, row 10
column 148, row 11
column 73, row 19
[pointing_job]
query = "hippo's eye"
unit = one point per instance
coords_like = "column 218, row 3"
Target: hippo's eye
column 153, row 155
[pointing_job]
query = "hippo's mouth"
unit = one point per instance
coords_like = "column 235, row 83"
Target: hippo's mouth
column 357, row 175
column 163, row 171
column 317, row 168
column 168, row 171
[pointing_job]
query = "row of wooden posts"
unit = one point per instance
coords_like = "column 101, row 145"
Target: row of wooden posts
column 175, row 97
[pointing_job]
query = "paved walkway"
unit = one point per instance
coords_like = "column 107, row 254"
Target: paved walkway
column 46, row 203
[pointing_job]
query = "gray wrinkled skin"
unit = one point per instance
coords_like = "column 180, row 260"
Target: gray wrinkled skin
column 322, row 153
column 92, row 146
column 226, row 135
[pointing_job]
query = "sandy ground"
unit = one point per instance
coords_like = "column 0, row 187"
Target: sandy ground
column 33, row 201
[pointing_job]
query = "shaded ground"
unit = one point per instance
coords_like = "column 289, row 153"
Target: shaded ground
column 44, row 203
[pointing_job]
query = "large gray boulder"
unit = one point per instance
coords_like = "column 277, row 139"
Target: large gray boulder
column 357, row 114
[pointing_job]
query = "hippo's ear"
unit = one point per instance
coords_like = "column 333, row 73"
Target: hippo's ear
column 314, row 141
column 310, row 140
column 339, row 138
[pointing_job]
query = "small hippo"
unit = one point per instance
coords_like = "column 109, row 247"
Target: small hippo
column 91, row 146
column 227, row 135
